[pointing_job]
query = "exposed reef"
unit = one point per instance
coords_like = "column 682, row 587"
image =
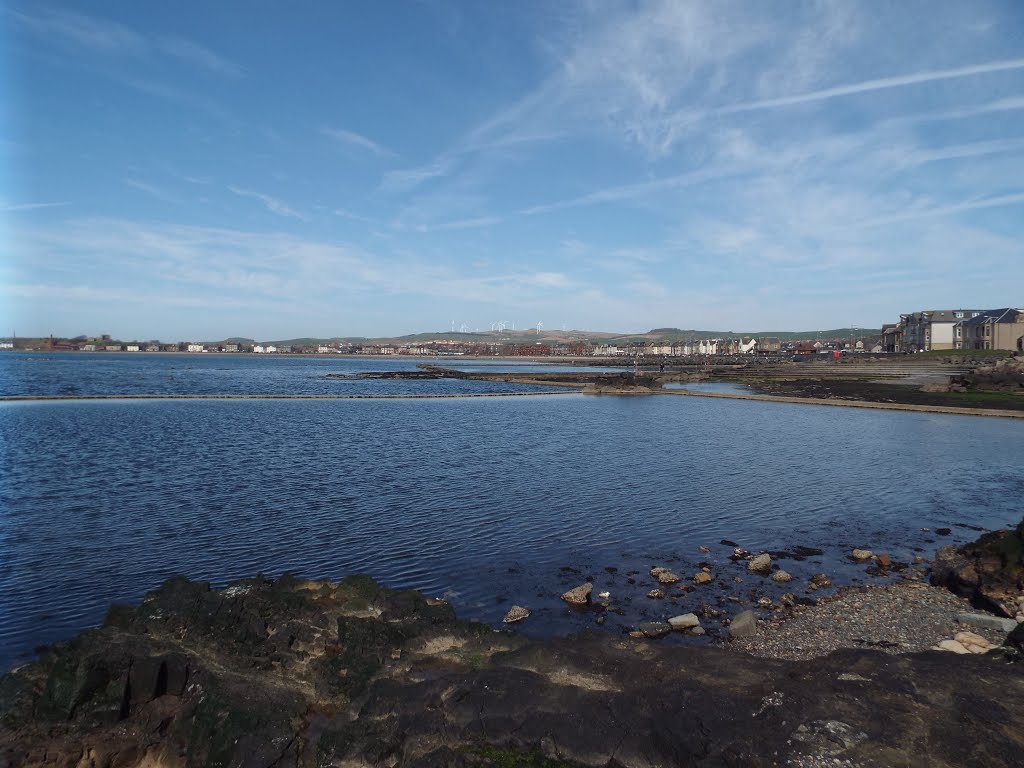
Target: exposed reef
column 299, row 673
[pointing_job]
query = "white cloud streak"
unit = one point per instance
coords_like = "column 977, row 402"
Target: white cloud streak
column 272, row 204
column 353, row 139
column 13, row 207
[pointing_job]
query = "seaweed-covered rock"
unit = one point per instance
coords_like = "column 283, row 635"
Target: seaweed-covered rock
column 297, row 673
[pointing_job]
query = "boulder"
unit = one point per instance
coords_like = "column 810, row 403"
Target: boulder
column 883, row 560
column 952, row 645
column 579, row 595
column 702, row 577
column 781, row 577
column 761, row 564
column 743, row 625
column 989, row 572
column 861, row 554
column 516, row 613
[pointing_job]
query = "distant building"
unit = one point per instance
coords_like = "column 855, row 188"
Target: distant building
column 230, row 347
column 932, row 329
column 195, row 348
column 991, row 329
column 132, row 348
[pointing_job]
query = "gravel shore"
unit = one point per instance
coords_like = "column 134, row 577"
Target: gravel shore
column 904, row 617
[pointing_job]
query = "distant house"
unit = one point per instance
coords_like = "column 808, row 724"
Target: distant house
column 230, row 347
column 196, row 348
column 152, row 347
column 991, row 329
column 112, row 348
column 132, row 348
column 769, row 345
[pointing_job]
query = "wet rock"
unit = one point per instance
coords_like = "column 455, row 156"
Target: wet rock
column 743, row 625
column 781, row 577
column 943, row 531
column 697, row 631
column 685, row 621
column 861, row 554
column 702, row 577
column 989, row 572
column 516, row 613
column 579, row 595
column 761, row 564
column 664, row 576
column 764, row 602
column 703, row 549
column 883, row 560
column 788, row 600
column 821, row 581
column 655, row 628
column 656, row 594
column 728, row 543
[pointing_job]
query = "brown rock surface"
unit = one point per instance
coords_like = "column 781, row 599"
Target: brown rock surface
column 989, row 572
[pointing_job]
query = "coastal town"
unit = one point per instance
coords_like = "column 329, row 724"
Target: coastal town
column 919, row 331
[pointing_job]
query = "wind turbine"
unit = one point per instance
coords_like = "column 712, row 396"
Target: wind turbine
column 539, row 326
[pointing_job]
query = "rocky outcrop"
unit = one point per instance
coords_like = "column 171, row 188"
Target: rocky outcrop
column 989, row 572
column 293, row 673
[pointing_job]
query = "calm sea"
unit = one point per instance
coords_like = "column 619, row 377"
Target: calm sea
column 487, row 501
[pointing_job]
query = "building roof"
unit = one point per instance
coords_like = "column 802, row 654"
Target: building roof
column 1004, row 315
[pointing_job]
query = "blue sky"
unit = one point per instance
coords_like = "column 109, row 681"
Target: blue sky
column 265, row 169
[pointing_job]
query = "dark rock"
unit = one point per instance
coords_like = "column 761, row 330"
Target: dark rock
column 943, row 531
column 728, row 543
column 989, row 572
column 655, row 628
column 294, row 673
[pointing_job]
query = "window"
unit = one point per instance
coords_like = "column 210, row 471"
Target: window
column 958, row 314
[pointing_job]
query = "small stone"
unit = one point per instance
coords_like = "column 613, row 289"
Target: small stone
column 952, row 645
column 664, row 576
column 764, row 602
column 656, row 594
column 703, row 578
column 918, row 559
column 761, row 564
column 737, row 579
column 943, row 531
column 516, row 613
column 883, row 560
column 599, row 619
column 781, row 577
column 698, row 631
column 636, row 633
column 821, row 580
column 788, row 600
column 685, row 621
column 579, row 595
column 743, row 625
column 655, row 628
column 703, row 549
column 862, row 554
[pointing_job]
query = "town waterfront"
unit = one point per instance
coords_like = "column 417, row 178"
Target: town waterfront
column 487, row 502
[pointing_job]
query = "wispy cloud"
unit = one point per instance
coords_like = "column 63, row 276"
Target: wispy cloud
column 199, row 56
column 405, row 179
column 878, row 84
column 106, row 36
column 479, row 221
column 12, row 207
column 353, row 139
column 98, row 34
column 150, row 189
column 272, row 204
